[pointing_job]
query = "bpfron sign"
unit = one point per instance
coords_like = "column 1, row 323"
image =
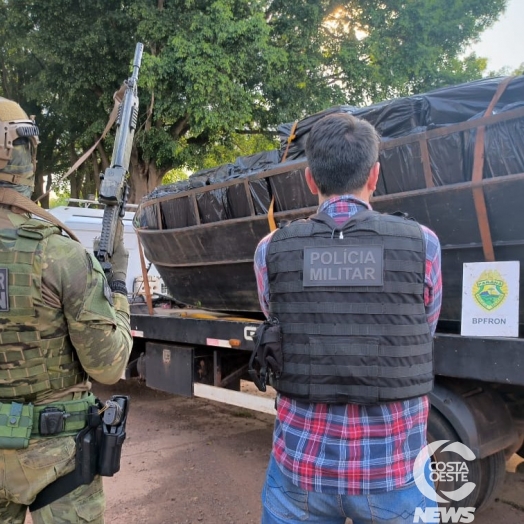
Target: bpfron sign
column 490, row 299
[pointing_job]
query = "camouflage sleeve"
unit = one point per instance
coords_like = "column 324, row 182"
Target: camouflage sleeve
column 97, row 320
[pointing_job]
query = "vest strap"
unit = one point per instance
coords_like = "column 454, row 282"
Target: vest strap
column 347, row 308
column 388, row 287
column 353, row 394
column 323, row 218
column 296, row 242
column 373, row 392
column 356, row 329
column 357, row 350
column 319, row 370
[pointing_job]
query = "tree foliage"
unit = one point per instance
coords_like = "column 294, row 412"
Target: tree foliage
column 218, row 76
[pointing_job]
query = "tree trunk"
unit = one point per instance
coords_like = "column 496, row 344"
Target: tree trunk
column 75, row 185
column 144, row 177
column 39, row 190
column 96, row 173
column 104, row 160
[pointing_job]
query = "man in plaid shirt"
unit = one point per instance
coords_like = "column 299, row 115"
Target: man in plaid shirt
column 336, row 460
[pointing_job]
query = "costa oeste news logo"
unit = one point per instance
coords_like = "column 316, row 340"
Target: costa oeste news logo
column 444, row 472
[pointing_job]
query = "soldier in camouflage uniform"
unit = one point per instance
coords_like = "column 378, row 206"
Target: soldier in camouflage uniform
column 60, row 323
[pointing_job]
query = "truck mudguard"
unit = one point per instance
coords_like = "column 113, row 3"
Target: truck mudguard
column 477, row 413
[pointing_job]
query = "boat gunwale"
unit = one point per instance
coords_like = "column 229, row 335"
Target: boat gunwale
column 459, row 186
column 297, row 164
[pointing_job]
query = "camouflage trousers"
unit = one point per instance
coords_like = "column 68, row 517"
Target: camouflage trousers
column 25, row 472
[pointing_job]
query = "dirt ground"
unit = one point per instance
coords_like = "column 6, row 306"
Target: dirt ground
column 191, row 461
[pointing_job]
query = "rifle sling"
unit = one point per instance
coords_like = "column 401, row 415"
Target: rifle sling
column 117, row 97
column 11, row 198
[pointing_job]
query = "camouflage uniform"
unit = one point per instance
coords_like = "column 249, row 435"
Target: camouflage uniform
column 62, row 324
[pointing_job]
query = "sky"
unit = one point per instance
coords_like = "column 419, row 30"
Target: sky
column 502, row 44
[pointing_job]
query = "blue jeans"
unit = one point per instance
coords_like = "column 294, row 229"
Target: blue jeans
column 285, row 503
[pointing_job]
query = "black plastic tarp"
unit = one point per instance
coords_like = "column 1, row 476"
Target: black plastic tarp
column 503, row 146
column 398, row 117
column 402, row 169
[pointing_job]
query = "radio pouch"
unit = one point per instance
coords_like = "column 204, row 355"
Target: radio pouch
column 16, row 423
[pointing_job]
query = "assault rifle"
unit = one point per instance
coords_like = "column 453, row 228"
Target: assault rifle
column 114, row 190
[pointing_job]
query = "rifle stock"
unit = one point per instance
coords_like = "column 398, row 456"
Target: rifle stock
column 113, row 188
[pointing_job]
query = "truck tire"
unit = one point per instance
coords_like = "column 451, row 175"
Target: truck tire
column 440, row 429
column 493, row 473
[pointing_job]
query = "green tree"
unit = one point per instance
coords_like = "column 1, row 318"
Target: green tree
column 508, row 71
column 218, row 76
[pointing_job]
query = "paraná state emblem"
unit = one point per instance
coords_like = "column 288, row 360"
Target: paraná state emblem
column 490, row 290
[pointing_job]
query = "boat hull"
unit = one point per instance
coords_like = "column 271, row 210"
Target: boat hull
column 211, row 265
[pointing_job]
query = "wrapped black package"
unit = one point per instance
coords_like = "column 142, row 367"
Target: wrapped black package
column 147, row 217
column 257, row 162
column 381, row 186
column 401, row 166
column 167, row 214
column 168, row 189
column 291, row 191
column 213, row 205
column 503, row 146
column 177, row 212
column 260, row 193
column 459, row 103
column 446, row 157
column 391, row 119
column 297, row 147
column 258, row 188
column 397, row 117
column 233, row 197
column 199, row 179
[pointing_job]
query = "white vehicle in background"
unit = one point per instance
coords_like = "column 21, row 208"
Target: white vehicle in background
column 85, row 220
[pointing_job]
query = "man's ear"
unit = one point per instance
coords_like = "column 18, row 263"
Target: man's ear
column 310, row 182
column 373, row 177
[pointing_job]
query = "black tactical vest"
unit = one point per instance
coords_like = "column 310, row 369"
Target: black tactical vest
column 350, row 301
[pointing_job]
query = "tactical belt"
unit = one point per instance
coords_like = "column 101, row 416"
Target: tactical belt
column 98, row 450
column 21, row 422
column 74, row 418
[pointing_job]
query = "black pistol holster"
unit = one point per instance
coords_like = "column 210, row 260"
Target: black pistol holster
column 98, row 450
column 266, row 359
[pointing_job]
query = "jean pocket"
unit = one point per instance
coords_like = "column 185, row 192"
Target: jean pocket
column 282, row 498
column 397, row 506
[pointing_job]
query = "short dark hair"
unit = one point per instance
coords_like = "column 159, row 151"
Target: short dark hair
column 341, row 150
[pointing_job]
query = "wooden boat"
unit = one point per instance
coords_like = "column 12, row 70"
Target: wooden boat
column 472, row 197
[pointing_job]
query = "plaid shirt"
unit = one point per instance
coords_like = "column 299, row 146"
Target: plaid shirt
column 352, row 449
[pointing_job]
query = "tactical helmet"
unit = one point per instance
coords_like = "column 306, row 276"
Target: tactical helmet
column 18, row 142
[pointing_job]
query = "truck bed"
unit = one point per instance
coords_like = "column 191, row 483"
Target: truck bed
column 495, row 359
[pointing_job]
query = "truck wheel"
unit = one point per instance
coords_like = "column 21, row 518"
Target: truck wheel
column 440, row 429
column 493, row 473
